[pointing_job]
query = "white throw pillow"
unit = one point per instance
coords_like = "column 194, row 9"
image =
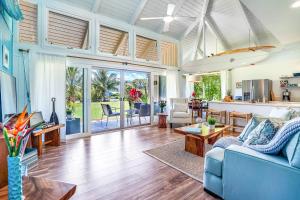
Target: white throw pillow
column 280, row 113
column 179, row 107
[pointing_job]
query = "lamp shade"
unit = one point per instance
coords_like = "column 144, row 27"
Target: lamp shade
column 195, row 78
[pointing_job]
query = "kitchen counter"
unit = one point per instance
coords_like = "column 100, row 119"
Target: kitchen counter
column 271, row 103
column 254, row 108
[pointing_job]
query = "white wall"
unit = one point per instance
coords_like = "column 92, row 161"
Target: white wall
column 284, row 62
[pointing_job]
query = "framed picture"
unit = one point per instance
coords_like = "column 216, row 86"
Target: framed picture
column 238, row 85
column 5, row 57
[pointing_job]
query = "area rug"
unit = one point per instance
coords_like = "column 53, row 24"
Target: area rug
column 174, row 155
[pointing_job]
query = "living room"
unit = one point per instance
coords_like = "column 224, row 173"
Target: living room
column 149, row 99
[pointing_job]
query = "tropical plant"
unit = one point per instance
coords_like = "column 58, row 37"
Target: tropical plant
column 209, row 88
column 142, row 84
column 74, row 84
column 211, row 121
column 103, row 83
column 16, row 133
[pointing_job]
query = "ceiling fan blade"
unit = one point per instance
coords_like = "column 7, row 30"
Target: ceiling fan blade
column 170, row 9
column 185, row 18
column 150, row 18
column 166, row 27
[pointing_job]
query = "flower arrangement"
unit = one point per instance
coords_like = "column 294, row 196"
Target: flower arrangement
column 135, row 95
column 16, row 133
column 162, row 105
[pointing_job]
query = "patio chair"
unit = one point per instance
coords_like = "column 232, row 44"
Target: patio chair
column 107, row 111
column 145, row 111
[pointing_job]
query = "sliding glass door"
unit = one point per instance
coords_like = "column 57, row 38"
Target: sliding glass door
column 101, row 99
column 74, row 100
column 105, row 100
column 137, row 98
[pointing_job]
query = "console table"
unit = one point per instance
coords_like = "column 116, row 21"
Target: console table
column 37, row 188
column 52, row 137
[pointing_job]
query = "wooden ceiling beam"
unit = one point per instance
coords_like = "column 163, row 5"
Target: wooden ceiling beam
column 201, row 25
column 96, row 5
column 138, row 11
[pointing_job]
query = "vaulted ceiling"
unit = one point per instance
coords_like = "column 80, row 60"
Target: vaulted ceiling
column 228, row 23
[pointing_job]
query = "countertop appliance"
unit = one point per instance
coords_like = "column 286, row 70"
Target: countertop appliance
column 257, row 90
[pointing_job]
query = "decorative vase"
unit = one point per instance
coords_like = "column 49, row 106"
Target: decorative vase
column 211, row 127
column 14, row 178
column 161, row 109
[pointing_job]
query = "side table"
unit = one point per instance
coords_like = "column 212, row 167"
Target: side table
column 162, row 120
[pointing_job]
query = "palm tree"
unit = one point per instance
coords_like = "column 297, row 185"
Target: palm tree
column 74, row 84
column 103, row 83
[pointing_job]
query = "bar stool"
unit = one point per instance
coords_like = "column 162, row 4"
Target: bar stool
column 235, row 117
column 220, row 115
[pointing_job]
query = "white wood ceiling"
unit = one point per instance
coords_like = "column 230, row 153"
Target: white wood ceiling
column 270, row 22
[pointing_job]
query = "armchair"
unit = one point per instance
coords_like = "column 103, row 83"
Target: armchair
column 180, row 112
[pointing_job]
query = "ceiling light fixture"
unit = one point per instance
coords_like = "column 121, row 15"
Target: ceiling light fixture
column 295, row 4
column 170, row 9
column 168, row 19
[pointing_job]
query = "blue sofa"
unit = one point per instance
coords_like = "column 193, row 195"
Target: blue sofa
column 238, row 172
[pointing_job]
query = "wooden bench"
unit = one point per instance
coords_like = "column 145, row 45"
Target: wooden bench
column 52, row 137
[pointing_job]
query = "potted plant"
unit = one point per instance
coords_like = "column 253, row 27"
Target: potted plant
column 162, row 105
column 228, row 97
column 69, row 113
column 211, row 123
column 16, row 134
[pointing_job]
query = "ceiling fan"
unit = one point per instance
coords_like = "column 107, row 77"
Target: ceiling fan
column 169, row 17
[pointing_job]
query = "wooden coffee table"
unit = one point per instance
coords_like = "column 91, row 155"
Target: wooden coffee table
column 195, row 141
column 37, row 188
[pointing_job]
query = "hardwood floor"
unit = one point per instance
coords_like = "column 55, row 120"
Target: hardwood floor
column 113, row 166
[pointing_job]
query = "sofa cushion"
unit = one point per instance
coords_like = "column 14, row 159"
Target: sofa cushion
column 181, row 115
column 180, row 107
column 292, row 151
column 281, row 113
column 214, row 161
column 225, row 142
column 252, row 124
column 262, row 134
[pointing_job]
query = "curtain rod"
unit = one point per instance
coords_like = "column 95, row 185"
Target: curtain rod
column 113, row 61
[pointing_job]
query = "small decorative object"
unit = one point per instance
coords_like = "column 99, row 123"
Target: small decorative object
column 5, row 58
column 284, row 83
column 238, row 85
column 16, row 135
column 53, row 117
column 228, row 97
column 162, row 105
column 211, row 123
column 193, row 94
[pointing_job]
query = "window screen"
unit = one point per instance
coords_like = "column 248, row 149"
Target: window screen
column 113, row 41
column 146, row 48
column 68, row 31
column 28, row 26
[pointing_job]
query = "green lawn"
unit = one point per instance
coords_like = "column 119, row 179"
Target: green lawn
column 96, row 110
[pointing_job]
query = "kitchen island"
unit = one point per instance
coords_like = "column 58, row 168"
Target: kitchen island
column 254, row 108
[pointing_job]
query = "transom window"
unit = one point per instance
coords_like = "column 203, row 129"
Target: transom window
column 146, row 48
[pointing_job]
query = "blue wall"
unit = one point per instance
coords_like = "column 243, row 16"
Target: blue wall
column 6, row 38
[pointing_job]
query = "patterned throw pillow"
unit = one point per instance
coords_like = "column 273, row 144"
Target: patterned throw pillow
column 252, row 124
column 262, row 134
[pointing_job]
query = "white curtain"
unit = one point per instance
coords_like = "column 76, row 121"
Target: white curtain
column 172, row 85
column 47, row 80
column 226, row 82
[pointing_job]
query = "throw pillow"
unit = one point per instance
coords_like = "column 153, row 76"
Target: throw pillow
column 252, row 124
column 292, row 151
column 281, row 113
column 262, row 134
column 179, row 107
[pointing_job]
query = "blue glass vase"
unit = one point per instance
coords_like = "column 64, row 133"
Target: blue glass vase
column 14, row 178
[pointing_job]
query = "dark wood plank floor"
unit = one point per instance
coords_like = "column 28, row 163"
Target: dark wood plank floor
column 113, row 166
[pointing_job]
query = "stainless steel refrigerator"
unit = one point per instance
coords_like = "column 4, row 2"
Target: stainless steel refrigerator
column 257, row 90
